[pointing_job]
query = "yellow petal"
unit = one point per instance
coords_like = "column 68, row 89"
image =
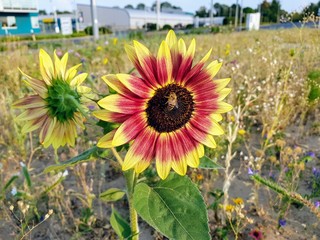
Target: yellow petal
column 224, row 93
column 206, row 57
column 223, row 107
column 216, row 117
column 163, row 168
column 213, row 68
column 216, row 129
column 180, row 166
column 221, row 83
column 191, row 49
column 71, row 73
column 171, row 38
column 46, row 67
column 106, row 140
column 78, row 80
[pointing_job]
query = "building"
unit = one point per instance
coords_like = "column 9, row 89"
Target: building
column 125, row 19
column 19, row 17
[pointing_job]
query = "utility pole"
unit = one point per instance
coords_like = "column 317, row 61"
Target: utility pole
column 94, row 20
column 241, row 15
column 236, row 15
column 158, row 15
column 211, row 13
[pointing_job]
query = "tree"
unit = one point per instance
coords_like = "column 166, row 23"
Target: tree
column 247, row 10
column 129, row 6
column 141, row 6
column 42, row 12
column 202, row 12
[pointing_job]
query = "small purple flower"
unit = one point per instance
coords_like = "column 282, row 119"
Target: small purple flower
column 91, row 107
column 311, row 154
column 83, row 60
column 282, row 222
column 317, row 204
column 250, row 172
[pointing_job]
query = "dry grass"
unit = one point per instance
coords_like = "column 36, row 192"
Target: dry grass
column 269, row 72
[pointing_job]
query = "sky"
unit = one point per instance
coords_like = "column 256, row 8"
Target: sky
column 186, row 5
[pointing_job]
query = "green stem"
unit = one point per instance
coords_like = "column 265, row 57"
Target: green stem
column 131, row 180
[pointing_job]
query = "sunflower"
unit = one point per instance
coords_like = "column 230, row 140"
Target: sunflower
column 169, row 112
column 56, row 108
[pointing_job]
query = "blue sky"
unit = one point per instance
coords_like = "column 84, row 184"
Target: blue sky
column 187, row 5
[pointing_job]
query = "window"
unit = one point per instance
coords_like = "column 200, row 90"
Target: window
column 8, row 22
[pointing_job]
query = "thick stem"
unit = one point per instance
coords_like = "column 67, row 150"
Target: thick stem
column 131, row 180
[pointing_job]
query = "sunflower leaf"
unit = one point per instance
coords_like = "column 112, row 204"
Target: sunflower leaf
column 173, row 207
column 112, row 195
column 207, row 163
column 120, row 225
column 82, row 157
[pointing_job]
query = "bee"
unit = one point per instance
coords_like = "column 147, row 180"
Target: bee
column 172, row 101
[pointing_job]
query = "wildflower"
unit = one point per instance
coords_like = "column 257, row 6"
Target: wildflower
column 238, row 201
column 229, row 208
column 105, row 61
column 99, row 48
column 170, row 112
column 56, row 107
column 250, row 172
column 317, row 204
column 199, row 177
column 256, row 234
column 242, row 132
column 115, row 41
column 311, row 154
column 282, row 222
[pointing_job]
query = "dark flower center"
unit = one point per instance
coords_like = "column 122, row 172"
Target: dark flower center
column 170, row 108
column 62, row 101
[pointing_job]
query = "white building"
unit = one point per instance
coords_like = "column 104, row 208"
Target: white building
column 124, row 19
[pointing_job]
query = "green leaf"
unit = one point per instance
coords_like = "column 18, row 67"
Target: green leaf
column 173, row 207
column 207, row 163
column 11, row 180
column 112, row 195
column 120, row 225
column 26, row 176
column 82, row 157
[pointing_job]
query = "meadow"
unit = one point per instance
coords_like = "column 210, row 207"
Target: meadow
column 268, row 186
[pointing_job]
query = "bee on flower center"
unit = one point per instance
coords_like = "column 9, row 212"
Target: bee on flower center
column 172, row 101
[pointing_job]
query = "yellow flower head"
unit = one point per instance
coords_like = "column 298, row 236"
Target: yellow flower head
column 56, row 108
column 229, row 208
column 238, row 201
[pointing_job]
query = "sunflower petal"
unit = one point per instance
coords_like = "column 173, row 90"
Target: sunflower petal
column 33, row 101
column 223, row 107
column 120, row 104
column 164, row 155
column 108, row 116
column 213, row 68
column 164, row 64
column 142, row 150
column 171, row 39
column 78, row 80
column 106, row 140
column 46, row 66
column 129, row 129
column 221, row 83
column 135, row 85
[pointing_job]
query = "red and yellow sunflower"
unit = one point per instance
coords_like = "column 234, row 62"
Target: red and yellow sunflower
column 56, row 107
column 170, row 112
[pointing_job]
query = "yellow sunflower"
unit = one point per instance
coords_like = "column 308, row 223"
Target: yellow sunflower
column 56, row 108
column 169, row 112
